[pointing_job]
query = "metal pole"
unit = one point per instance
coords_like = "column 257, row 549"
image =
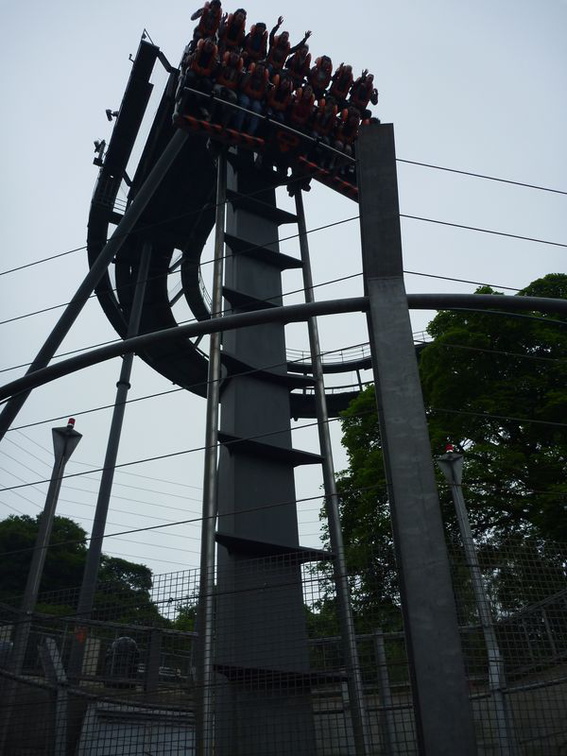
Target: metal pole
column 92, row 564
column 451, row 465
column 442, row 707
column 348, row 632
column 65, row 441
column 386, row 698
column 107, row 254
column 205, row 661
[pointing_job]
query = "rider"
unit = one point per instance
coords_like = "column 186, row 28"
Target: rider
column 298, row 65
column 201, row 65
column 232, row 30
column 209, row 19
column 341, row 84
column 362, row 92
column 346, row 132
column 278, row 98
column 253, row 87
column 255, row 44
column 322, row 125
column 302, row 107
column 320, row 75
column 280, row 47
column 225, row 88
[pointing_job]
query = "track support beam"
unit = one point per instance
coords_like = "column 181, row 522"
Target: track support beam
column 443, row 714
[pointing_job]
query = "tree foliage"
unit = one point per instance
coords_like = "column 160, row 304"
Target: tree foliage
column 64, row 560
column 495, row 386
column 123, row 588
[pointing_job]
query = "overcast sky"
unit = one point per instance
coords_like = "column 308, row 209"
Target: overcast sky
column 478, row 87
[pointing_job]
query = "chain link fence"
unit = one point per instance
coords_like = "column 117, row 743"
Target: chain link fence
column 281, row 686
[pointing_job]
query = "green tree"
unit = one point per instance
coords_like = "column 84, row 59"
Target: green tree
column 64, row 560
column 186, row 617
column 123, row 590
column 496, row 387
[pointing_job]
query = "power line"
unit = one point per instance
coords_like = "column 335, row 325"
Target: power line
column 492, row 416
column 482, row 176
column 456, row 280
column 191, row 520
column 171, row 455
column 291, row 237
column 169, row 391
column 199, row 519
column 537, row 358
column 43, row 260
column 141, row 228
column 399, row 160
column 483, row 230
column 328, row 282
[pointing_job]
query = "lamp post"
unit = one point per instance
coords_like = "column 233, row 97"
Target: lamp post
column 451, row 465
column 65, row 441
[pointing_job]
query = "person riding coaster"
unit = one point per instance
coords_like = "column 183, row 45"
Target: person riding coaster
column 232, row 30
column 225, row 88
column 322, row 125
column 298, row 65
column 362, row 92
column 253, row 88
column 341, row 84
column 278, row 97
column 255, row 45
column 302, row 108
column 343, row 136
column 280, row 48
column 320, row 75
column 200, row 66
column 209, row 19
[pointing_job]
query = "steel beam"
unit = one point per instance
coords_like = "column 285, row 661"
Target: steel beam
column 287, row 314
column 443, row 714
column 73, row 309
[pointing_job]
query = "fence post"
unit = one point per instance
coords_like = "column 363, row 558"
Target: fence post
column 386, row 698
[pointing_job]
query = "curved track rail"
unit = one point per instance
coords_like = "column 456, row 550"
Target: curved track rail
column 177, row 223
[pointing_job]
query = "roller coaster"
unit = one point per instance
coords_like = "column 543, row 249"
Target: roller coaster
column 197, row 175
column 262, row 387
column 180, row 217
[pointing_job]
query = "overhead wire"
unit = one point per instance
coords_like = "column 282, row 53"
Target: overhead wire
column 482, row 176
column 205, row 263
column 200, row 519
column 484, row 230
column 546, row 320
column 336, row 223
column 171, row 391
column 422, row 164
column 188, row 551
column 255, row 437
column 162, row 526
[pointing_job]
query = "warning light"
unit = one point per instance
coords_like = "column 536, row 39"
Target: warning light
column 71, row 422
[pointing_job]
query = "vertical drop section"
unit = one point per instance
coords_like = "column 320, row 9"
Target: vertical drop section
column 263, row 678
